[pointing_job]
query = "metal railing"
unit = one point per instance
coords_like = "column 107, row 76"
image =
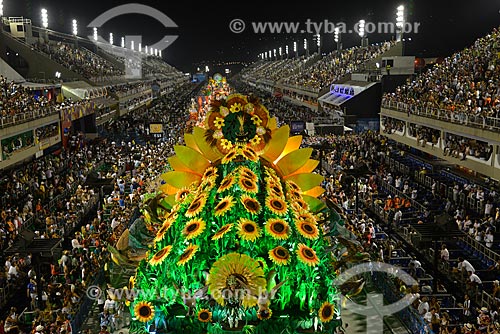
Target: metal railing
column 19, row 118
column 473, row 243
column 85, row 304
column 457, row 117
column 396, row 191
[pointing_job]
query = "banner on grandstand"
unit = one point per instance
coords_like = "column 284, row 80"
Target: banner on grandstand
column 73, row 113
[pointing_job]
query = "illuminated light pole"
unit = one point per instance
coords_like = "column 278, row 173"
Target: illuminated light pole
column 296, row 49
column 45, row 18
column 400, row 23
column 286, row 51
column 306, row 47
column 362, row 32
column 318, row 43
column 132, row 45
column 111, row 38
column 140, row 47
column 95, row 34
column 146, row 49
column 75, row 28
column 281, row 52
column 1, row 8
column 45, row 24
column 122, row 44
column 338, row 38
column 159, row 53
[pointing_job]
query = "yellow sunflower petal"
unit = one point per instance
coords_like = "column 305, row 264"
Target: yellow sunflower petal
column 292, row 144
column 294, row 160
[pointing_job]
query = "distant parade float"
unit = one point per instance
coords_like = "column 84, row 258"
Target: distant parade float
column 240, row 244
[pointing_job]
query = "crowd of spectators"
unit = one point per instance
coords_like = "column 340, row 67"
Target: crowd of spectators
column 47, row 131
column 335, row 65
column 79, row 60
column 352, row 151
column 465, row 85
column 275, row 70
column 17, row 99
column 461, row 147
column 424, row 134
column 391, row 125
column 50, row 192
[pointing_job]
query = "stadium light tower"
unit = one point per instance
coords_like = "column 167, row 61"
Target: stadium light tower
column 362, row 32
column 122, row 44
column 111, row 38
column 281, row 52
column 286, row 51
column 305, row 47
column 318, row 43
column 146, row 49
column 95, row 34
column 400, row 23
column 270, row 54
column 45, row 18
column 296, row 49
column 338, row 38
column 140, row 47
column 132, row 46
column 274, row 54
column 75, row 28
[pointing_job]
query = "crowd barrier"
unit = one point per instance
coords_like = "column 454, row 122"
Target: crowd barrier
column 85, row 304
column 463, row 118
column 410, row 318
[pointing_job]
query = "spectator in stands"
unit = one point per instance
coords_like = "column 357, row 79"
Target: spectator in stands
column 483, row 320
column 423, row 306
column 465, row 266
column 466, row 308
column 445, row 254
column 473, row 284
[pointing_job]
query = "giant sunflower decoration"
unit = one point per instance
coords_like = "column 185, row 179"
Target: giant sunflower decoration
column 307, row 229
column 204, row 315
column 278, row 229
column 222, row 231
column 196, row 206
column 250, row 204
column 236, row 272
column 194, row 228
column 144, row 311
column 224, row 206
column 248, row 230
column 326, row 312
column 307, row 255
column 160, row 256
column 279, row 255
column 237, row 213
column 276, row 205
column 187, row 255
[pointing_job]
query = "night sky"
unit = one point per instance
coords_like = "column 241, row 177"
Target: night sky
column 204, row 35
